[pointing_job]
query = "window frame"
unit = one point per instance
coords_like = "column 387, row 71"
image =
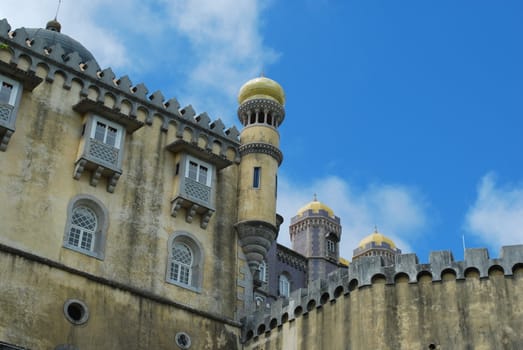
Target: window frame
column 181, row 267
column 99, row 235
column 330, row 247
column 14, row 96
column 81, row 230
column 195, row 278
column 256, row 177
column 199, row 165
column 284, row 285
column 119, row 130
column 263, row 271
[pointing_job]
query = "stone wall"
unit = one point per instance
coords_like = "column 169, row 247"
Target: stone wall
column 34, row 292
column 446, row 304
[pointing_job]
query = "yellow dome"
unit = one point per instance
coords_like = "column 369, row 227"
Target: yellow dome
column 261, row 87
column 316, row 206
column 377, row 238
column 344, row 262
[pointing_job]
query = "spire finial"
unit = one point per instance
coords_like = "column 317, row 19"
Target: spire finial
column 315, row 198
column 375, row 228
column 57, row 9
column 53, row 24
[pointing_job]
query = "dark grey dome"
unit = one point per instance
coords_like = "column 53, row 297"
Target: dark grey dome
column 52, row 36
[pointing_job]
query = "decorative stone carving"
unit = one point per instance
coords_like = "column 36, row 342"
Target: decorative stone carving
column 264, row 148
column 255, row 237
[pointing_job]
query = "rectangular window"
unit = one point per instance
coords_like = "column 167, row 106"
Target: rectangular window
column 107, row 133
column 193, row 171
column 284, row 286
column 256, row 177
column 6, row 91
column 202, row 176
column 331, row 247
column 276, row 186
column 198, row 171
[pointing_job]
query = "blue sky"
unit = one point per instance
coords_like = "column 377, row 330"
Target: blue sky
column 407, row 115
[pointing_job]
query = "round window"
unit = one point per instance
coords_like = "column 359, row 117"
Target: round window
column 183, row 340
column 76, row 311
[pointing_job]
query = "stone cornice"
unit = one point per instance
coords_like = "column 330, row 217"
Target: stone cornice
column 262, row 105
column 264, row 148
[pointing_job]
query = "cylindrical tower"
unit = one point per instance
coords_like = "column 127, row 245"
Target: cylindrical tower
column 261, row 112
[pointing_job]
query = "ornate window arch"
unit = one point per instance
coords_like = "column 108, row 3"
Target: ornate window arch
column 185, row 261
column 86, row 226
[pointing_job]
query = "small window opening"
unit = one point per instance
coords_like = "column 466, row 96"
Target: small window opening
column 269, row 119
column 76, row 311
column 256, row 177
column 183, row 340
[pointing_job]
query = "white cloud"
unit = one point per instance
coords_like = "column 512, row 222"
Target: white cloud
column 496, row 217
column 226, row 42
column 198, row 49
column 398, row 211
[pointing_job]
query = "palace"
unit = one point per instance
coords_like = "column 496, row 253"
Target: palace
column 129, row 221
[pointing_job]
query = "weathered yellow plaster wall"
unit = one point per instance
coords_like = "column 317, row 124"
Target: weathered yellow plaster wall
column 258, row 203
column 260, row 133
column 34, row 317
column 37, row 184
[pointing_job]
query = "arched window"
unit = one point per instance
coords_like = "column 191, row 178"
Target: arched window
column 284, row 286
column 185, row 262
column 86, row 227
column 181, row 264
column 83, row 228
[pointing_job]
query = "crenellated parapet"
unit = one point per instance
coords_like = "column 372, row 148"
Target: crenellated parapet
column 367, row 271
column 119, row 95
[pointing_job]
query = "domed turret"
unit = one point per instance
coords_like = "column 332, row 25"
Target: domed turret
column 376, row 239
column 261, row 103
column 52, row 35
column 261, row 87
column 315, row 206
column 377, row 244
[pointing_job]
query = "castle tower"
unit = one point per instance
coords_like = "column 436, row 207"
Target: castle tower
column 315, row 233
column 376, row 244
column 261, row 112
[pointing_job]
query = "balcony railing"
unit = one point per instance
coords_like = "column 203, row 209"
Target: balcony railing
column 196, row 198
column 104, row 153
column 197, row 191
column 6, row 112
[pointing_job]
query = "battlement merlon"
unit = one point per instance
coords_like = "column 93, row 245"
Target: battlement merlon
column 364, row 271
column 91, row 77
